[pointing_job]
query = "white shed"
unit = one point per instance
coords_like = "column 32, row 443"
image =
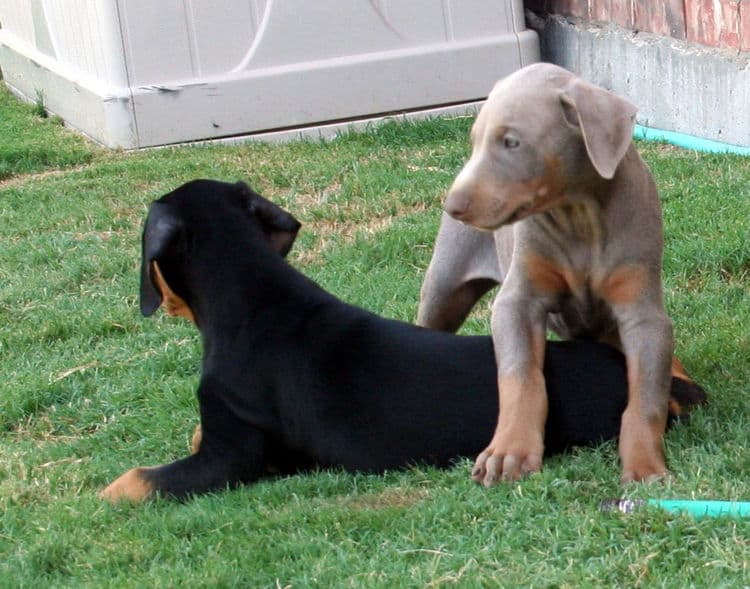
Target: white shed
column 138, row 73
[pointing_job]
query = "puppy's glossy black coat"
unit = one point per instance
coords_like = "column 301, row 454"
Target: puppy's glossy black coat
column 292, row 377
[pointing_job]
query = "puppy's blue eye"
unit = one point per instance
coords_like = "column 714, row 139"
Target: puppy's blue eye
column 511, row 142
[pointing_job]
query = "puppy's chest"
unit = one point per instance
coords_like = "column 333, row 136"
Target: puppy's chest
column 571, row 273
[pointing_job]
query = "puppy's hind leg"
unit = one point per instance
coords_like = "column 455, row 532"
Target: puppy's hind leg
column 463, row 267
column 211, row 467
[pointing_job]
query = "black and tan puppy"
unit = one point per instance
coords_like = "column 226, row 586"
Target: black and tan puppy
column 292, row 377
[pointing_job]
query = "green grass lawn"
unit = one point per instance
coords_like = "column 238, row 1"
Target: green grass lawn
column 90, row 389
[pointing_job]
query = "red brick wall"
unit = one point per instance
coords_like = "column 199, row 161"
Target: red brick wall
column 716, row 23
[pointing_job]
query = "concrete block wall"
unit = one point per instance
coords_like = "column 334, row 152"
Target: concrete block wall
column 685, row 63
column 722, row 24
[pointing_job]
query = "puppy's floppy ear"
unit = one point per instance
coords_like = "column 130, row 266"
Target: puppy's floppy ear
column 279, row 226
column 606, row 121
column 159, row 235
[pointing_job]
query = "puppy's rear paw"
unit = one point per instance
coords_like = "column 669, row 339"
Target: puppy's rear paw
column 684, row 395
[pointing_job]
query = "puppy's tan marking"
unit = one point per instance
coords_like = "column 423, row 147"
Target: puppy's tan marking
column 678, row 370
column 624, row 285
column 546, row 277
column 686, row 394
column 172, row 303
column 548, row 189
column 130, row 486
column 675, row 409
column 195, row 442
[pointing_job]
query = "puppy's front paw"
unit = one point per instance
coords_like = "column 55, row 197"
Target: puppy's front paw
column 131, row 486
column 644, row 468
column 642, row 447
column 642, row 458
column 509, row 457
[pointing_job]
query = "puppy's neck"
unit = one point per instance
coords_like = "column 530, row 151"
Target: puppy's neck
column 255, row 294
column 578, row 219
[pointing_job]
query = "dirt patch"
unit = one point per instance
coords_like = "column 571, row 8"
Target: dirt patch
column 23, row 178
column 391, row 497
column 328, row 231
column 304, row 202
